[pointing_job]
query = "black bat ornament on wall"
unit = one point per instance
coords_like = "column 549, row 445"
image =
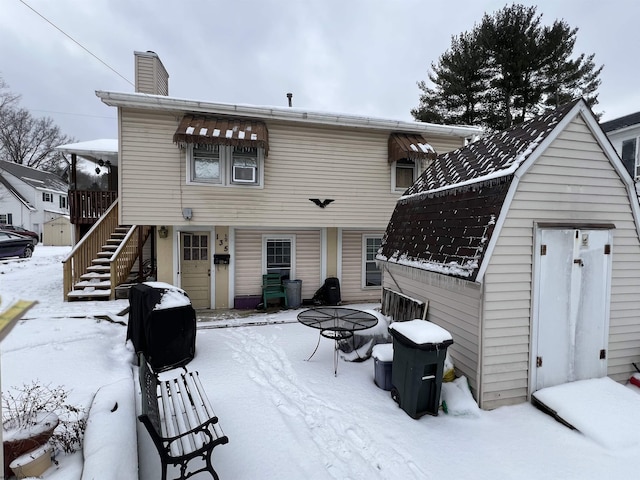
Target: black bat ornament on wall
column 321, row 203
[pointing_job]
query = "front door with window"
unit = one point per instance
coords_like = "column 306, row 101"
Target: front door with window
column 195, row 268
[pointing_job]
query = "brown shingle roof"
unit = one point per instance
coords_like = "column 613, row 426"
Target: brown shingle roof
column 445, row 220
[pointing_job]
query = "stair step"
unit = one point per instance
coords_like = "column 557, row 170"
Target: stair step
column 114, row 241
column 99, row 269
column 93, row 283
column 105, row 254
column 101, row 261
column 109, row 248
column 89, row 294
column 95, row 276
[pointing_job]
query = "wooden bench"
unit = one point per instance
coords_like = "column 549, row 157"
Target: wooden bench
column 180, row 420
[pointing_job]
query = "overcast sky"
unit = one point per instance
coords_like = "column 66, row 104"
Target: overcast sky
column 361, row 57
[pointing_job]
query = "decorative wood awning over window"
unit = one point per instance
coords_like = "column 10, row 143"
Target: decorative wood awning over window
column 222, row 131
column 409, row 146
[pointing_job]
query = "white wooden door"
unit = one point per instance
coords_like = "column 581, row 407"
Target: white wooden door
column 195, row 267
column 572, row 297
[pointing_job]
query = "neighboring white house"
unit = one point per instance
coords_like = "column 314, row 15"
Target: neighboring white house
column 624, row 134
column 30, row 197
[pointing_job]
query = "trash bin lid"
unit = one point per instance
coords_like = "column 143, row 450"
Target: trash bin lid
column 383, row 352
column 421, row 334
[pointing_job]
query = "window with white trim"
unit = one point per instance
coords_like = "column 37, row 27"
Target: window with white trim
column 225, row 165
column 403, row 173
column 205, row 164
column 244, row 166
column 47, row 197
column 6, row 218
column 278, row 255
column 371, row 274
column 630, row 156
column 63, row 201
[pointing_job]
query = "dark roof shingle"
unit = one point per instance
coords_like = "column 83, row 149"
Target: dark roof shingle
column 621, row 122
column 34, row 177
column 444, row 221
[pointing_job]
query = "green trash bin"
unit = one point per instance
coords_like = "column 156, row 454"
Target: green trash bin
column 419, row 351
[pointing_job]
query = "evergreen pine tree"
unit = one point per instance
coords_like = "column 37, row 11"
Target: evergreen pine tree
column 507, row 69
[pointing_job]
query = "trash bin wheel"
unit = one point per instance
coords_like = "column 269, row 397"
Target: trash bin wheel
column 395, row 395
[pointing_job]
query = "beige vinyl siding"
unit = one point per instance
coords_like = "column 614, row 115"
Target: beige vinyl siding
column 352, row 264
column 247, row 260
column 571, row 182
column 145, row 74
column 151, row 77
column 453, row 304
column 347, row 165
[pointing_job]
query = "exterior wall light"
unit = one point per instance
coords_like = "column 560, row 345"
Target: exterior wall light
column 163, row 232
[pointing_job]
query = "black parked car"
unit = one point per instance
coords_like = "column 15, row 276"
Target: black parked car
column 14, row 245
column 21, row 231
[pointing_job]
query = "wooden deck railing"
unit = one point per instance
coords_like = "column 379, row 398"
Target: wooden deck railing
column 126, row 255
column 75, row 264
column 87, row 206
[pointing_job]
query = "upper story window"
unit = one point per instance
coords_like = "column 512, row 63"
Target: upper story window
column 244, row 166
column 630, row 156
column 408, row 155
column 63, row 201
column 224, row 165
column 404, row 174
column 47, row 197
column 6, row 218
column 205, row 163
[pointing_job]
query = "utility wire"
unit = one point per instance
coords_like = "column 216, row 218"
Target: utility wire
column 77, row 43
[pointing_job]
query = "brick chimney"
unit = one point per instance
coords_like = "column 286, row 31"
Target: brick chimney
column 151, row 76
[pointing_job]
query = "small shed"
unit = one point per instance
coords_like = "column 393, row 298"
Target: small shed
column 526, row 246
column 57, row 231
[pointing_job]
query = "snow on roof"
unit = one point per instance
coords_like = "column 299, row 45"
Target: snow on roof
column 95, row 150
column 105, row 145
column 444, row 221
column 33, row 177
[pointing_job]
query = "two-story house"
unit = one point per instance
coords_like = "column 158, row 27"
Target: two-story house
column 237, row 191
column 29, row 198
column 624, row 134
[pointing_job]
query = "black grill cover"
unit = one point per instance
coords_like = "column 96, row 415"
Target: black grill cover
column 167, row 336
column 332, row 291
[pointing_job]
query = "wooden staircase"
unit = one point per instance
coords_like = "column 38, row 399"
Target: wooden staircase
column 104, row 258
column 95, row 284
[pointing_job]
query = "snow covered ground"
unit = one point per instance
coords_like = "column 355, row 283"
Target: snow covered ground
column 286, row 418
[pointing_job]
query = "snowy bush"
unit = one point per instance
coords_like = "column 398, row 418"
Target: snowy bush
column 24, row 409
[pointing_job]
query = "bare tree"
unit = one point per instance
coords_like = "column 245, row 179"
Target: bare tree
column 25, row 139
column 8, row 100
column 30, row 141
